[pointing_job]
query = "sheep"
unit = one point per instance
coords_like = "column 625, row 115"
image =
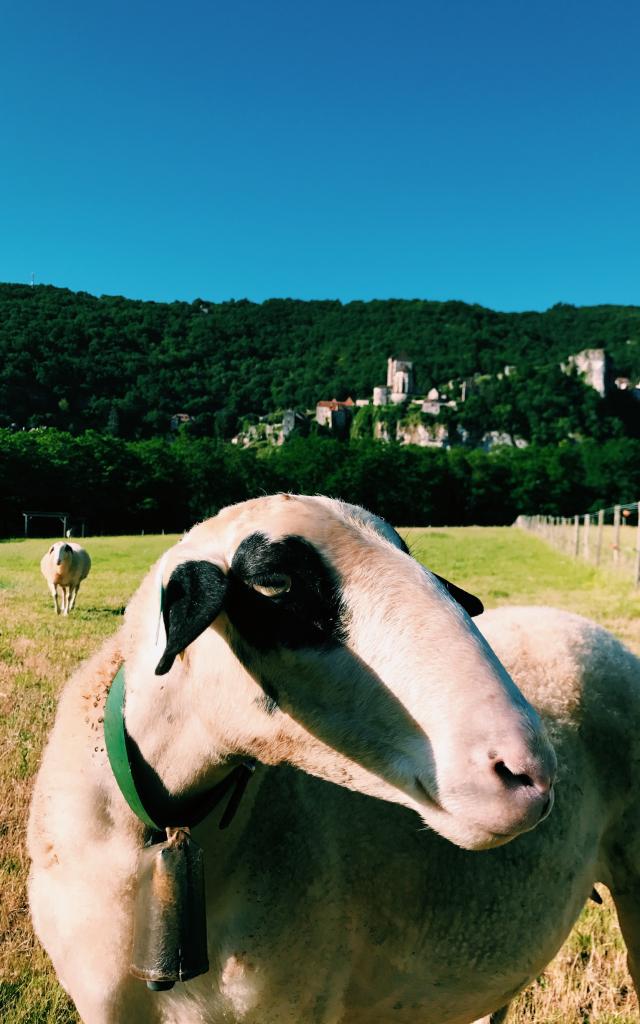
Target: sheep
column 65, row 565
column 396, row 855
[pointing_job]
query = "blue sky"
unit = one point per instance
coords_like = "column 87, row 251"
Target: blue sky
column 484, row 151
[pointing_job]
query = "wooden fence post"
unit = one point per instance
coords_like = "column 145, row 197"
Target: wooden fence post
column 616, row 534
column 585, row 547
column 576, row 535
column 637, row 580
column 600, row 533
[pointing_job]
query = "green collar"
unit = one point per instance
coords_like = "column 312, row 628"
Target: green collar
column 123, row 758
column 118, row 749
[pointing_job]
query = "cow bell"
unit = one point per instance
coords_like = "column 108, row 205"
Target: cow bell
column 170, row 924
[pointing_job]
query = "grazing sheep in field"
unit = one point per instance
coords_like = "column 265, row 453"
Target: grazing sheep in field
column 311, row 641
column 65, row 565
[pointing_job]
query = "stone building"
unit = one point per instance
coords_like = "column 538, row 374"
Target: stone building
column 381, row 395
column 434, row 402
column 400, row 384
column 273, row 429
column 400, row 379
column 335, row 415
column 596, row 368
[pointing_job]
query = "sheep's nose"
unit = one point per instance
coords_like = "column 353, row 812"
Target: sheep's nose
column 534, row 777
column 529, row 780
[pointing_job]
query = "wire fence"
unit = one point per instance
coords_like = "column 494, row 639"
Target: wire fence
column 609, row 538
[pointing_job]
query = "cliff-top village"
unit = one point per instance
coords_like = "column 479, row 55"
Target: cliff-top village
column 419, row 422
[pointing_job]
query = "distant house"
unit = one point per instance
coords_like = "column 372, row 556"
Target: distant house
column 335, row 415
column 433, row 402
column 179, row 419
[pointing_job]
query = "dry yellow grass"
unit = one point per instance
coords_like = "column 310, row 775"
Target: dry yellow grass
column 587, row 982
column 38, row 651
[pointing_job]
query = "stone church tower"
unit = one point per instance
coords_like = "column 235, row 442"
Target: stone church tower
column 399, row 379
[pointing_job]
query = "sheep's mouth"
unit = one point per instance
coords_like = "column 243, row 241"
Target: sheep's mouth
column 479, row 835
column 500, row 838
column 480, row 838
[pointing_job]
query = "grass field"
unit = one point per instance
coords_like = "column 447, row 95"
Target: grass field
column 587, row 982
column 595, row 547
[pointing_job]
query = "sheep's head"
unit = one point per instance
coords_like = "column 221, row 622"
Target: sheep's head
column 313, row 637
column 61, row 552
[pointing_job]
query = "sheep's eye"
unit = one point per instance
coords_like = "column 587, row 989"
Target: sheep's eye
column 274, row 587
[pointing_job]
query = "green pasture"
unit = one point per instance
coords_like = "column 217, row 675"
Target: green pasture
column 38, row 650
column 503, row 565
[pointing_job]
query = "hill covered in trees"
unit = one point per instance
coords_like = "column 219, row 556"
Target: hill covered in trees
column 122, row 367
column 88, row 387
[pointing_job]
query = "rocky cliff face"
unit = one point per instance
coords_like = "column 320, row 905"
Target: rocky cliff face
column 425, row 435
column 429, row 435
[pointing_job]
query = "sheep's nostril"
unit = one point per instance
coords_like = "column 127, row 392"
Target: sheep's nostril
column 539, row 783
column 510, row 779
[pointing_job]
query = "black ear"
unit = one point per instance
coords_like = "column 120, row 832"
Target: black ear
column 192, row 599
column 472, row 605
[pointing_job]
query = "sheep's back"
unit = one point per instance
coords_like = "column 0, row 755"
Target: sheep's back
column 81, row 563
column 69, row 573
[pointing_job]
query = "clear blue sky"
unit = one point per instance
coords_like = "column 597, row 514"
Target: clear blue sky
column 485, row 150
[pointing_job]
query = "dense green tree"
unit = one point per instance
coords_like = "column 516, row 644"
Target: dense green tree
column 121, row 486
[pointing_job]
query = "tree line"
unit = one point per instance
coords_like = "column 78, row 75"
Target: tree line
column 122, row 486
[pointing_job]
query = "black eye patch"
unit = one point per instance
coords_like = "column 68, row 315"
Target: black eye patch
column 308, row 614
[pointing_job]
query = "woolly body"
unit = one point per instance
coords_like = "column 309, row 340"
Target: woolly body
column 327, row 905
column 64, row 567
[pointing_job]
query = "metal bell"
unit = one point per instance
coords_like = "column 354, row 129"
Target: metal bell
column 170, row 924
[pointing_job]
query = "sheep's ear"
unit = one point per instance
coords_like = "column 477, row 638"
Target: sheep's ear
column 192, row 599
column 471, row 604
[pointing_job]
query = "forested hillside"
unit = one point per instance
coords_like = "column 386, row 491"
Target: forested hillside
column 123, row 367
column 105, row 375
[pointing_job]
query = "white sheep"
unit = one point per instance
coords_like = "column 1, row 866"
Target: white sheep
column 312, row 642
column 65, row 565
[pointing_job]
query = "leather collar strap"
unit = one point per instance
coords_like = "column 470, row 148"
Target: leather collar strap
column 169, row 813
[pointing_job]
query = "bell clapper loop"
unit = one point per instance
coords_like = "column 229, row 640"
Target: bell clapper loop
column 177, row 837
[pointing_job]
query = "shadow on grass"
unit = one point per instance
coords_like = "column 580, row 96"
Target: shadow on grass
column 99, row 613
